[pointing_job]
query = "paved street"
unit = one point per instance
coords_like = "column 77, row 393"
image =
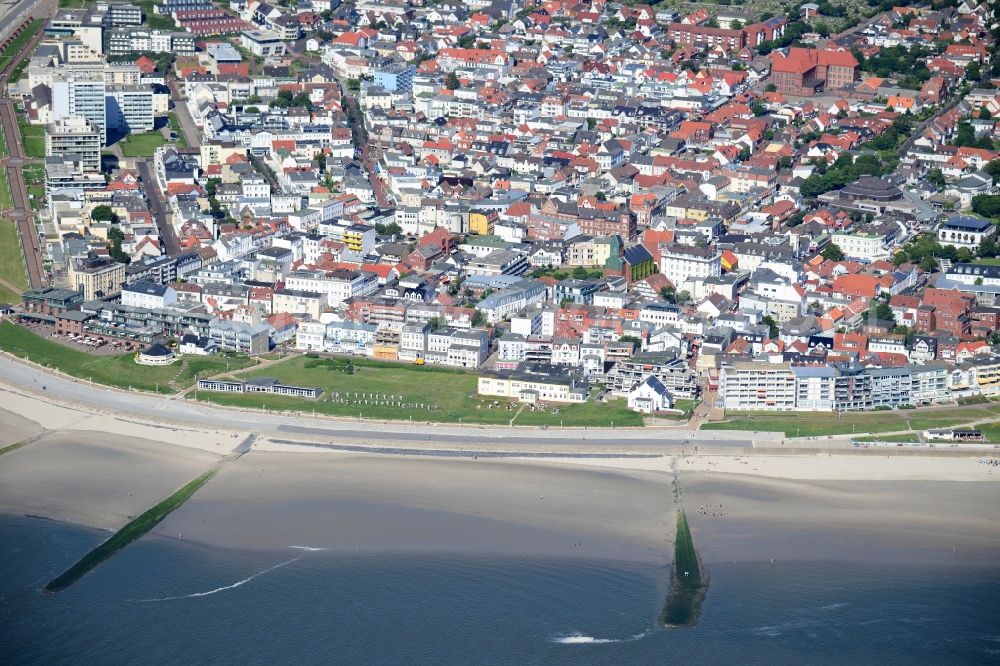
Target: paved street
column 188, row 128
column 171, row 245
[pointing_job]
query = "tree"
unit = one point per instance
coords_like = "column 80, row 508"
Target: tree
column 115, row 237
column 936, row 178
column 478, row 319
column 772, row 325
column 758, row 108
column 103, row 213
column 451, row 81
column 987, row 205
column 683, row 296
column 928, row 264
column 883, row 313
column 632, row 339
column 832, row 252
column 711, row 23
column 988, row 248
column 391, row 229
column 601, row 196
column 972, row 72
column 591, row 123
column 354, row 86
column 993, row 167
column 770, row 88
column 669, row 294
column 964, row 255
column 303, row 100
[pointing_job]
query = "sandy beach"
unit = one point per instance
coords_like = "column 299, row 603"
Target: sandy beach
column 99, row 480
column 842, row 505
column 16, row 428
column 741, row 517
column 368, row 503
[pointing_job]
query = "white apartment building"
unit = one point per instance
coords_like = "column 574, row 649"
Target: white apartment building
column 148, row 295
column 74, row 136
column 81, row 94
column 130, row 108
column 263, row 43
column 338, row 285
column 336, row 337
column 680, row 263
column 758, row 386
column 862, row 245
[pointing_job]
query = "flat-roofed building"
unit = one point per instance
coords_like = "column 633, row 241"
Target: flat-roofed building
column 74, row 139
column 263, row 43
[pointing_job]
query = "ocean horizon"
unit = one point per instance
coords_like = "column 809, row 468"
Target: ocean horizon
column 167, row 601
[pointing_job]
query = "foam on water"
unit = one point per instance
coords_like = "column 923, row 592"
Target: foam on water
column 577, row 638
column 239, row 583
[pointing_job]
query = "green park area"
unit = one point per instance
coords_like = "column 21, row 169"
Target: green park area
column 821, row 424
column 175, row 127
column 447, row 396
column 118, row 370
column 34, row 179
column 6, row 199
column 141, row 145
column 11, row 262
column 33, row 137
column 153, row 20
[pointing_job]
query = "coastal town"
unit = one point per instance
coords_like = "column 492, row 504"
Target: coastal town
column 672, row 211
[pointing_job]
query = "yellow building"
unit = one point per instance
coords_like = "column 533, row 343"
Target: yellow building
column 532, row 389
column 481, row 223
column 97, row 277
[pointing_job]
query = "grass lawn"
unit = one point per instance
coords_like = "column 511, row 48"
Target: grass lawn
column 34, row 174
column 33, row 137
column 11, row 256
column 989, row 261
column 8, row 296
column 73, row 4
column 907, row 439
column 34, row 178
column 448, row 389
column 154, row 21
column 141, row 145
column 209, row 366
column 6, row 200
column 37, row 193
column 991, row 431
column 175, row 126
column 816, row 424
column 120, row 370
